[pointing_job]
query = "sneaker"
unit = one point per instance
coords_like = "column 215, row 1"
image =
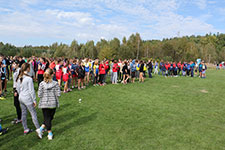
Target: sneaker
column 72, row 87
column 2, row 98
column 4, row 131
column 27, row 131
column 50, row 137
column 16, row 121
column 39, row 133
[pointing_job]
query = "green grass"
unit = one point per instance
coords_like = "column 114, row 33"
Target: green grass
column 161, row 113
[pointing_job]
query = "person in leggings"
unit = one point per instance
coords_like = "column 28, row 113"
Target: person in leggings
column 48, row 91
column 16, row 95
column 27, row 98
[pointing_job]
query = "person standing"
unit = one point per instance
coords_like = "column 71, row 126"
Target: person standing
column 102, row 71
column 41, row 69
column 141, row 76
column 149, row 68
column 133, row 70
column 156, row 67
column 27, row 98
column 16, row 95
column 48, row 91
column 115, row 74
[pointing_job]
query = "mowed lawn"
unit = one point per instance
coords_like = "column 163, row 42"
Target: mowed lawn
column 173, row 113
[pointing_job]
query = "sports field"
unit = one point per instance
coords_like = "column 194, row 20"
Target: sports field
column 173, row 113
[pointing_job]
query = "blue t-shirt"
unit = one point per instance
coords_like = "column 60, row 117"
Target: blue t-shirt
column 188, row 66
column 133, row 67
column 200, row 67
column 156, row 65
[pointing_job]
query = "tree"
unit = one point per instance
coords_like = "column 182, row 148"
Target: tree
column 106, row 52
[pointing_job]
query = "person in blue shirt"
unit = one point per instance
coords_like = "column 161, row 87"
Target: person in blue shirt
column 156, row 67
column 192, row 68
column 200, row 69
column 162, row 67
column 184, row 69
column 4, row 73
column 171, row 73
column 133, row 71
column 74, row 74
column 188, row 69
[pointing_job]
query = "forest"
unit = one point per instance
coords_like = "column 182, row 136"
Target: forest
column 210, row 48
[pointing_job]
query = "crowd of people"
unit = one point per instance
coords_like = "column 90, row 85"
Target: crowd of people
column 56, row 75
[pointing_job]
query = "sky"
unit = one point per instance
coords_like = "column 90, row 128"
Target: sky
column 43, row 22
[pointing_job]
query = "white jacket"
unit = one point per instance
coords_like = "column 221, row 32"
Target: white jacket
column 26, row 90
column 15, row 74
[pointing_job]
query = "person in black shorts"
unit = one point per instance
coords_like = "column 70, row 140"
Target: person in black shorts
column 125, row 73
column 141, row 76
column 81, row 75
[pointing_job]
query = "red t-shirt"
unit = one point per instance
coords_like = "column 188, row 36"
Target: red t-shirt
column 174, row 65
column 115, row 67
column 52, row 65
column 42, row 69
column 102, row 68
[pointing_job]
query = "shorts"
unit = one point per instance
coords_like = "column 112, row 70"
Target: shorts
column 133, row 75
column 74, row 75
column 58, row 75
column 65, row 77
column 80, row 77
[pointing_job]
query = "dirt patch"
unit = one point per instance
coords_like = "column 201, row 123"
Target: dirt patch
column 204, row 91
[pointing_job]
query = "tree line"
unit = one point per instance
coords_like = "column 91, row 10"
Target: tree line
column 210, row 48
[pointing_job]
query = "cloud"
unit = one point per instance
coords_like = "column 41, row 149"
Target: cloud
column 91, row 20
column 202, row 4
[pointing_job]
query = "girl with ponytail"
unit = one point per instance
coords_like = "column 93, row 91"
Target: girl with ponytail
column 27, row 98
column 48, row 91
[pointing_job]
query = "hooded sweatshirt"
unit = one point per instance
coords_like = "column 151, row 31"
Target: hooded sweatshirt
column 26, row 90
column 48, row 93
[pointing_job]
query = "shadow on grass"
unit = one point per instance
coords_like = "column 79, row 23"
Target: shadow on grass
column 14, row 138
column 78, row 122
column 16, row 130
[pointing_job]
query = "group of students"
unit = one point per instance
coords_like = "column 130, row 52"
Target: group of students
column 174, row 69
column 25, row 98
column 79, row 73
column 51, row 73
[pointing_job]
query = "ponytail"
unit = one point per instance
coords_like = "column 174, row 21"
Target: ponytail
column 48, row 75
column 24, row 68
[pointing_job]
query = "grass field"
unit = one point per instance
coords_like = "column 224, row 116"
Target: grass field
column 173, row 113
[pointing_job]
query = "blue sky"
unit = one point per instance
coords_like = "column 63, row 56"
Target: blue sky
column 43, row 22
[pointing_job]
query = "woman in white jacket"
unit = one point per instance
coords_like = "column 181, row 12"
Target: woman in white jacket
column 27, row 98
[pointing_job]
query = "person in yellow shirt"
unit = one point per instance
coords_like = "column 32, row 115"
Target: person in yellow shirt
column 96, row 72
column 137, row 69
